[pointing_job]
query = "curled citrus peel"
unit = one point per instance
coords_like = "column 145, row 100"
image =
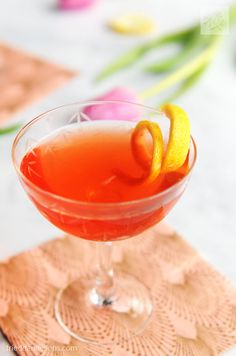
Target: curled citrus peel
column 179, row 138
column 159, row 161
column 151, row 163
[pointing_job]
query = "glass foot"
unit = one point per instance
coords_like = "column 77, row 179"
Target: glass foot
column 89, row 317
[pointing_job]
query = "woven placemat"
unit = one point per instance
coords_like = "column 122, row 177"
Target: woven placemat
column 194, row 306
column 25, row 78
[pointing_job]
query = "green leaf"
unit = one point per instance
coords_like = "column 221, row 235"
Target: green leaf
column 10, row 129
column 137, row 53
column 232, row 14
column 190, row 46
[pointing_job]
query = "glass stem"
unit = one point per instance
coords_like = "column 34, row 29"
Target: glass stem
column 104, row 281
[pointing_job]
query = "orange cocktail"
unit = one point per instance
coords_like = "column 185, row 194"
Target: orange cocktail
column 83, row 163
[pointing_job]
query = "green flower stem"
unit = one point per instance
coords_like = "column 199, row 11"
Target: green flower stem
column 187, row 84
column 184, row 72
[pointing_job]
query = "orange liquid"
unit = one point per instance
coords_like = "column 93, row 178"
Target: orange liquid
column 82, row 164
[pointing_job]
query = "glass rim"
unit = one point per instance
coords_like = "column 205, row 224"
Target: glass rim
column 23, row 130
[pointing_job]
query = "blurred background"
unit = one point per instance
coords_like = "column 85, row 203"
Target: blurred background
column 83, row 43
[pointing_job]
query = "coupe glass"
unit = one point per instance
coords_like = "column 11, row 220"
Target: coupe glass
column 105, row 295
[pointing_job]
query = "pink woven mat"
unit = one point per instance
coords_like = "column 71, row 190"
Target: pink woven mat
column 194, row 305
column 24, row 79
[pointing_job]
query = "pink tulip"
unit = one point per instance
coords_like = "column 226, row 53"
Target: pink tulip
column 75, row 4
column 115, row 111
